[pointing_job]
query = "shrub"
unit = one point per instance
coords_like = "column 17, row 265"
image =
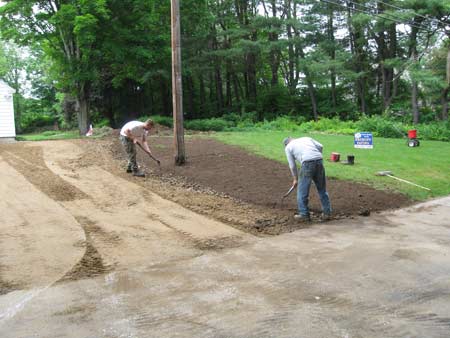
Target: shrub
column 104, row 122
column 380, row 126
column 32, row 121
column 280, row 123
column 163, row 120
column 213, row 124
column 158, row 119
column 439, row 131
column 232, row 117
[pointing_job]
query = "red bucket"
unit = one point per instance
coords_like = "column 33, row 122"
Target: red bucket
column 335, row 157
column 412, row 133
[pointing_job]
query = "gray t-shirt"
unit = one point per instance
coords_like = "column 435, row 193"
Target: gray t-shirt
column 302, row 149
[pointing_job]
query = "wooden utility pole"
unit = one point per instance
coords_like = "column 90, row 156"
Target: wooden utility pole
column 177, row 93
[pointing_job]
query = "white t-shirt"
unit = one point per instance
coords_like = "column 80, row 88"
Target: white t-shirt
column 136, row 128
column 302, row 149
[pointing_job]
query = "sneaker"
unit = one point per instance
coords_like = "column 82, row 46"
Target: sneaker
column 325, row 217
column 129, row 170
column 302, row 218
column 138, row 174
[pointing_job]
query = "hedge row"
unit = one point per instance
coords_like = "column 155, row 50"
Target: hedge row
column 379, row 126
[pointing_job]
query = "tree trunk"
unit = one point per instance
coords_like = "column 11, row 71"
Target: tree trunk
column 202, row 94
column 444, row 101
column 362, row 95
column 252, row 77
column 383, row 83
column 415, row 102
column 228, row 94
column 108, row 105
column 333, row 57
column 219, row 85
column 190, row 97
column 274, row 50
column 311, row 89
column 83, row 109
column 212, row 85
column 219, row 88
column 392, row 82
column 291, row 53
column 16, row 100
column 237, row 89
column 312, row 96
column 251, row 71
column 69, row 109
column 306, row 71
column 246, row 86
column 165, row 95
column 415, row 92
column 385, row 52
column 444, row 97
column 357, row 49
column 414, row 58
column 217, row 74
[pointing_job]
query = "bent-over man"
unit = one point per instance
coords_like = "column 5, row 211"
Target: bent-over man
column 132, row 133
column 308, row 152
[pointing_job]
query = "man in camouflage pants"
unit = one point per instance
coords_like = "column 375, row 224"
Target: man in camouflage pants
column 132, row 133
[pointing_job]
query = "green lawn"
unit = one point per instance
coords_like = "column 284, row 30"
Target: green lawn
column 49, row 135
column 427, row 165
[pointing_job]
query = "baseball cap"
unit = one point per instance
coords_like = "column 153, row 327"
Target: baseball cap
column 286, row 140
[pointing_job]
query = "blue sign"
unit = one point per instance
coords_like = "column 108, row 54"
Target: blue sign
column 364, row 140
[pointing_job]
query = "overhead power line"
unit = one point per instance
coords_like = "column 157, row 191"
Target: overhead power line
column 407, row 9
column 399, row 21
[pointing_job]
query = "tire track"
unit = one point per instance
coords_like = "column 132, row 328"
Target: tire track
column 91, row 264
column 29, row 161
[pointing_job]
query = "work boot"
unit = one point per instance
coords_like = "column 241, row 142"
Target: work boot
column 325, row 217
column 138, row 173
column 302, row 218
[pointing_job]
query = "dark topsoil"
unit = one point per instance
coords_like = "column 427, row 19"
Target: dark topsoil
column 257, row 181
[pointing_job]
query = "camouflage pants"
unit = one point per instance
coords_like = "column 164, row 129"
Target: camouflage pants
column 130, row 148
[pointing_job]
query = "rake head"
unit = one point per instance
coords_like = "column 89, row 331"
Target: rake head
column 384, row 173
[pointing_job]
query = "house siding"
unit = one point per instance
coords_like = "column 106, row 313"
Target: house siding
column 7, row 126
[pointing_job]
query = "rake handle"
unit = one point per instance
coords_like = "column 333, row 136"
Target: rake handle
column 400, row 179
column 151, row 156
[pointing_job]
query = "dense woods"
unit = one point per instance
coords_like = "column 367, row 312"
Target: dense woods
column 109, row 60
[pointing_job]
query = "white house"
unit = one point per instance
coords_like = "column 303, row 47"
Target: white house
column 7, row 126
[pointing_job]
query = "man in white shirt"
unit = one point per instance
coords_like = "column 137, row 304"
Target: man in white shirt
column 308, row 152
column 132, row 133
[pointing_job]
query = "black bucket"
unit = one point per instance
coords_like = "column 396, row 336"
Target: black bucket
column 350, row 160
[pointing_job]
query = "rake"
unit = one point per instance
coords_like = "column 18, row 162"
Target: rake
column 389, row 174
column 287, row 194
